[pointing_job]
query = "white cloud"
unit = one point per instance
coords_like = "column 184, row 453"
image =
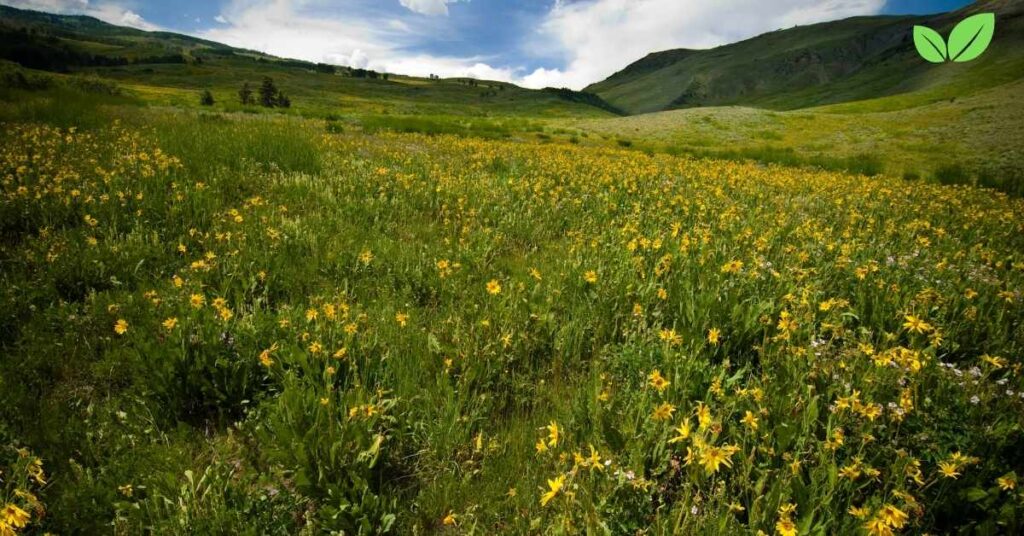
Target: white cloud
column 596, row 38
column 424, row 65
column 107, row 11
column 400, row 26
column 52, row 6
column 576, row 43
column 428, row 7
column 593, row 38
column 295, row 29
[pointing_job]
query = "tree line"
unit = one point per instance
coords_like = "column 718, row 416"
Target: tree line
column 267, row 95
column 47, row 53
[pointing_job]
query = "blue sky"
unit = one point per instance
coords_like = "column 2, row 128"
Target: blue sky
column 535, row 43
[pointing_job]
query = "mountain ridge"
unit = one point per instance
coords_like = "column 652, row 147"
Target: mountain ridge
column 823, row 63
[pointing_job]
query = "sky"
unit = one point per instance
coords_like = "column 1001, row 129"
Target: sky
column 533, row 43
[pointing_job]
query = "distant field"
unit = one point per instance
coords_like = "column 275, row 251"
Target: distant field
column 341, row 96
column 967, row 139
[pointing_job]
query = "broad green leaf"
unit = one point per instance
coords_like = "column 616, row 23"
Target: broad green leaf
column 976, row 494
column 971, row 37
column 930, row 44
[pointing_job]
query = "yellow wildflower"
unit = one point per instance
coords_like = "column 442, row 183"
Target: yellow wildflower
column 658, row 381
column 663, row 412
column 785, row 527
column 14, row 516
column 554, row 486
column 916, row 325
column 552, row 434
column 948, row 469
column 682, row 432
column 749, row 420
column 712, row 458
column 1007, row 482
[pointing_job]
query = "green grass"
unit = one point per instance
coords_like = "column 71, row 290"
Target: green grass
column 976, row 133
column 369, row 313
column 236, row 142
column 385, row 239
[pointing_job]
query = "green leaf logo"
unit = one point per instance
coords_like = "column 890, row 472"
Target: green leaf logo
column 967, row 41
column 971, row 37
column 930, row 44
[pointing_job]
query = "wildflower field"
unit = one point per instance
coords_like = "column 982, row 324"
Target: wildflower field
column 216, row 323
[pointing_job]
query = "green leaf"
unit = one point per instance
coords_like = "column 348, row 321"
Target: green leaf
column 930, row 44
column 971, row 37
column 976, row 494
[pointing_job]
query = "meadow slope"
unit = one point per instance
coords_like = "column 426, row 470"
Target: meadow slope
column 971, row 139
column 246, row 323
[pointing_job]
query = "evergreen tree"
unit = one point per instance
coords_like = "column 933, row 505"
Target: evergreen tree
column 268, row 93
column 282, row 100
column 245, row 94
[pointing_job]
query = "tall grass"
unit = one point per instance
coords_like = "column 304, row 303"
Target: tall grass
column 218, row 323
column 210, row 141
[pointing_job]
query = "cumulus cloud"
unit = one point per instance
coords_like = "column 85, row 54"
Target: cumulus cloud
column 596, row 38
column 575, row 43
column 107, row 11
column 572, row 44
column 298, row 29
column 425, row 65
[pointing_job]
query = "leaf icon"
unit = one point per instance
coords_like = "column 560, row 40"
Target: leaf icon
column 971, row 37
column 930, row 44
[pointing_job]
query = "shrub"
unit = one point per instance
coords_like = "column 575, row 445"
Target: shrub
column 951, row 174
column 864, row 164
column 206, row 98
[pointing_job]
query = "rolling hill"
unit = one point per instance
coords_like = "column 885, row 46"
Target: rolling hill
column 169, row 68
column 973, row 139
column 832, row 62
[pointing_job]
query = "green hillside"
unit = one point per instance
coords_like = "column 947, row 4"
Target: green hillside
column 832, row 62
column 170, row 69
column 971, row 139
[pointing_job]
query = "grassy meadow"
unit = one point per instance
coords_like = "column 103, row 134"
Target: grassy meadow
column 218, row 321
column 936, row 136
column 446, row 306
